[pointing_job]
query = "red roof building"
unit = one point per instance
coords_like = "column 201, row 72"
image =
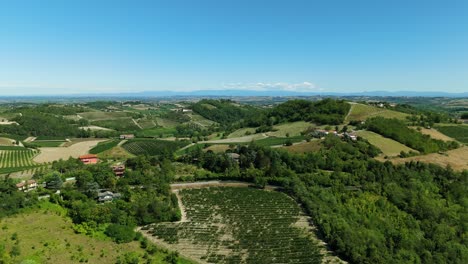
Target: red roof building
column 89, row 159
column 119, row 170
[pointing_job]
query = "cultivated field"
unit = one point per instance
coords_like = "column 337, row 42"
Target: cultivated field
column 389, row 147
column 17, row 160
column 239, row 225
column 74, row 151
column 46, row 236
column 457, row 159
column 361, row 112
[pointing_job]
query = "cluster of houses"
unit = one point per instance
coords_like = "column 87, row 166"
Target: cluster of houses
column 26, row 186
column 319, row 133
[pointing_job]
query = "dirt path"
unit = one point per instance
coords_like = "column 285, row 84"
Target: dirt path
column 136, row 123
column 122, row 142
column 74, row 151
column 350, row 111
column 30, row 139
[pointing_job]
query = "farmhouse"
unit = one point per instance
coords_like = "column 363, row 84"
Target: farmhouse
column 127, row 136
column 27, row 186
column 89, row 159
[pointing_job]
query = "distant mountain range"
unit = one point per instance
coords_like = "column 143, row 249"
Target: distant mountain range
column 246, row 93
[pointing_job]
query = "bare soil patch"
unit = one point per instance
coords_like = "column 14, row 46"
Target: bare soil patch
column 74, row 151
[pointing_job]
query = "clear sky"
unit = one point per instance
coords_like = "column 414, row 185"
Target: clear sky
column 57, row 47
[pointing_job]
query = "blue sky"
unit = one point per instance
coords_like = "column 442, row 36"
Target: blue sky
column 59, row 47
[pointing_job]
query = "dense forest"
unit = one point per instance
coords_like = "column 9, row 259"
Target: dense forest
column 223, row 111
column 32, row 123
column 326, row 111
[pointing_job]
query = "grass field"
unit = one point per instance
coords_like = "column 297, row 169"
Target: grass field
column 456, row 158
column 116, row 153
column 46, row 236
column 361, row 112
column 241, row 132
column 6, row 141
column 98, row 115
column 293, row 129
column 123, row 124
column 218, row 148
column 433, row 133
column 389, row 147
column 48, row 143
column 166, row 122
column 458, row 132
column 152, row 147
column 239, row 225
column 146, row 123
column 312, row 146
column 103, row 146
column 157, row 132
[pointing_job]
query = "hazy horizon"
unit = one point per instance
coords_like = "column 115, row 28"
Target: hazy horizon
column 85, row 47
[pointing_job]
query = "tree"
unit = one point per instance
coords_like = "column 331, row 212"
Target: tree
column 53, row 181
column 120, row 233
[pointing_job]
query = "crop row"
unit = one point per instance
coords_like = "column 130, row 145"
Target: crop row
column 254, row 226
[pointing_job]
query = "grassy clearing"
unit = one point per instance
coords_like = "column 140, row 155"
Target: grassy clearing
column 304, row 147
column 166, row 122
column 15, row 137
column 389, row 147
column 456, row 158
column 46, row 236
column 153, row 147
column 361, row 112
column 116, row 153
column 146, row 123
column 217, row 148
column 123, row 124
column 6, row 141
column 157, row 132
column 239, row 225
column 103, row 146
column 293, row 129
column 242, row 132
column 458, row 132
column 200, row 120
column 433, row 134
column 48, row 143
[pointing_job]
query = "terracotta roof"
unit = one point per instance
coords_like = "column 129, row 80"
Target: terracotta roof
column 88, row 156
